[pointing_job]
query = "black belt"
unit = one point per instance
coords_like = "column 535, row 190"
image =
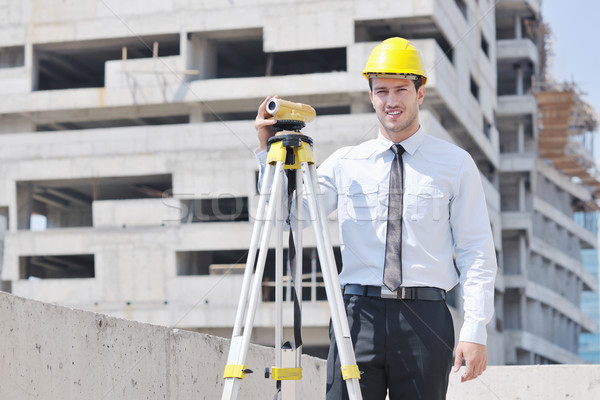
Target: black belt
column 403, row 293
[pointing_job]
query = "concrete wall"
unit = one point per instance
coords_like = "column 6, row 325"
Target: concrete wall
column 3, row 227
column 53, row 352
column 534, row 382
column 138, row 212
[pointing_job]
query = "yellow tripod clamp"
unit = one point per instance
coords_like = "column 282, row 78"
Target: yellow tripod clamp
column 291, row 149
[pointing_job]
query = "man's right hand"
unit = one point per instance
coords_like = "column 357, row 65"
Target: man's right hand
column 264, row 126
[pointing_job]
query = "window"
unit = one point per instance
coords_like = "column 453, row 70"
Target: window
column 71, row 65
column 67, row 203
column 241, row 58
column 3, row 219
column 474, row 88
column 485, row 46
column 218, row 209
column 462, row 6
column 487, row 127
column 57, row 266
column 11, row 57
column 216, row 262
column 408, row 28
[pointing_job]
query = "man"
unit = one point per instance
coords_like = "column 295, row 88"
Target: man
column 404, row 213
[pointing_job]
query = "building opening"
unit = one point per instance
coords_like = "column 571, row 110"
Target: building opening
column 66, row 203
column 57, row 267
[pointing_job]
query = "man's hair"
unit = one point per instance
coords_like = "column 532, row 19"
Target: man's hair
column 418, row 83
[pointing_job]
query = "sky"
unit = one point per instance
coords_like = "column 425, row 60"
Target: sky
column 575, row 28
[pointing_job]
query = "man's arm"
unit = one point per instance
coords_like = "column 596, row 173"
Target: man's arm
column 264, row 126
column 476, row 261
column 475, row 356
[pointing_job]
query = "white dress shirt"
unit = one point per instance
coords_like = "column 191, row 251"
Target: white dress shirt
column 444, row 216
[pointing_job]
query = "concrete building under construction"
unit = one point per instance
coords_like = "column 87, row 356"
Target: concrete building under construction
column 128, row 178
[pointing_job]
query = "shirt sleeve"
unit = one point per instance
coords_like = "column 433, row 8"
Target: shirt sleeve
column 261, row 158
column 475, row 252
column 328, row 195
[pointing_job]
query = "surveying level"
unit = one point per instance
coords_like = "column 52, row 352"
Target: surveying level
column 285, row 110
column 288, row 150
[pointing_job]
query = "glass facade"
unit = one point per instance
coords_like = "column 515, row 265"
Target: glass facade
column 589, row 343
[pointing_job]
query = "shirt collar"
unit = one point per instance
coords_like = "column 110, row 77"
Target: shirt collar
column 410, row 145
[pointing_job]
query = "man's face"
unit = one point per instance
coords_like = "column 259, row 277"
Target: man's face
column 396, row 103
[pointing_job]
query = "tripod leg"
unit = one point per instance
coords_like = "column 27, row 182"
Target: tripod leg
column 258, row 224
column 292, row 357
column 339, row 319
column 240, row 342
column 299, row 261
column 279, row 280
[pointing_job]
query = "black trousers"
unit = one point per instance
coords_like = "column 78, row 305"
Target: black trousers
column 404, row 346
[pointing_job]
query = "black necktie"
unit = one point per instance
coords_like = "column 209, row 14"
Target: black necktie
column 392, row 272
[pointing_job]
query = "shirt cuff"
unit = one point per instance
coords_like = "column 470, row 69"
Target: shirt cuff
column 261, row 156
column 473, row 332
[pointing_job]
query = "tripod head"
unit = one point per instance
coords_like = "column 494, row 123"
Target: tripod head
column 290, row 116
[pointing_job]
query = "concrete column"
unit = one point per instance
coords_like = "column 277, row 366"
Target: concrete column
column 31, row 65
column 202, row 56
column 183, row 45
column 523, row 309
column 24, row 205
column 197, row 115
column 521, row 192
column 361, row 104
column 16, row 124
column 191, row 49
column 3, row 229
column 520, row 137
column 523, row 254
column 574, row 332
column 526, row 358
column 518, row 27
column 54, row 218
column 519, row 79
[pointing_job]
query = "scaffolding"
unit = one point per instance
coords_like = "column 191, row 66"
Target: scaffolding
column 567, row 126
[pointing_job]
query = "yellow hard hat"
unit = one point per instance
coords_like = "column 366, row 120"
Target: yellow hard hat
column 395, row 56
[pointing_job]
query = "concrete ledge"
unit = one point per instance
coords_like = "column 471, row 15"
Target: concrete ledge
column 511, row 49
column 516, row 105
column 531, row 382
column 54, row 352
column 136, row 212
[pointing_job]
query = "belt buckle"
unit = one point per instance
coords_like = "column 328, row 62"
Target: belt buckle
column 388, row 294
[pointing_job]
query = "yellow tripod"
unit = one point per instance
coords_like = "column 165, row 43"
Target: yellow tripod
column 288, row 150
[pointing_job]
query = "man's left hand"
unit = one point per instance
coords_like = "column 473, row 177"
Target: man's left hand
column 475, row 356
